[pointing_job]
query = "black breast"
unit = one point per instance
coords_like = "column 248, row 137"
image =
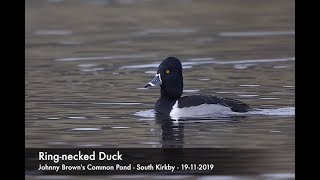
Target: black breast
column 164, row 105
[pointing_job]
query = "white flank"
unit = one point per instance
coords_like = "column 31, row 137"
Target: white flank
column 200, row 110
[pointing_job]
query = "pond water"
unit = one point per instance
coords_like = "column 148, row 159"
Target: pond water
column 87, row 63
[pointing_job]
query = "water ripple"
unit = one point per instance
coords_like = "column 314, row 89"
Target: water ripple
column 190, row 90
column 120, row 127
column 256, row 33
column 53, row 32
column 116, row 103
column 236, row 62
column 147, row 113
column 249, row 85
column 133, row 56
column 285, row 111
column 85, row 129
column 248, row 95
column 53, row 118
column 164, row 31
column 77, row 117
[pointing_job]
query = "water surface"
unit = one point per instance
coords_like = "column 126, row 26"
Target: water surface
column 87, row 63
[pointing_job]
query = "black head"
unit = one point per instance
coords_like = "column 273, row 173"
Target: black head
column 169, row 76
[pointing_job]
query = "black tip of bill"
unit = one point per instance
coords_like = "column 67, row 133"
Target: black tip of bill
column 155, row 81
column 148, row 85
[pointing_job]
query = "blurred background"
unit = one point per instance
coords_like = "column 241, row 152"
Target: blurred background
column 88, row 60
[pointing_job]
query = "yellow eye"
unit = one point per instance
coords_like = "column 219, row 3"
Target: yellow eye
column 167, row 71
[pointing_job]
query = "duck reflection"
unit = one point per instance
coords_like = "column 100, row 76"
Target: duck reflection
column 172, row 132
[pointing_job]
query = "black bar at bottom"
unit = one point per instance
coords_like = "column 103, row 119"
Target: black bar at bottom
column 121, row 161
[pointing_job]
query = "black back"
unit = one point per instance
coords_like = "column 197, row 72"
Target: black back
column 235, row 105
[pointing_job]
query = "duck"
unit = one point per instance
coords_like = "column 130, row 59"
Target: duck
column 172, row 103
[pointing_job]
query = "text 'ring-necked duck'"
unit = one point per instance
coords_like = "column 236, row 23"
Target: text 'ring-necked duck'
column 169, row 77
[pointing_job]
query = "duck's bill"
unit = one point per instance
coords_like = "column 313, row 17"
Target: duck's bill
column 155, row 81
